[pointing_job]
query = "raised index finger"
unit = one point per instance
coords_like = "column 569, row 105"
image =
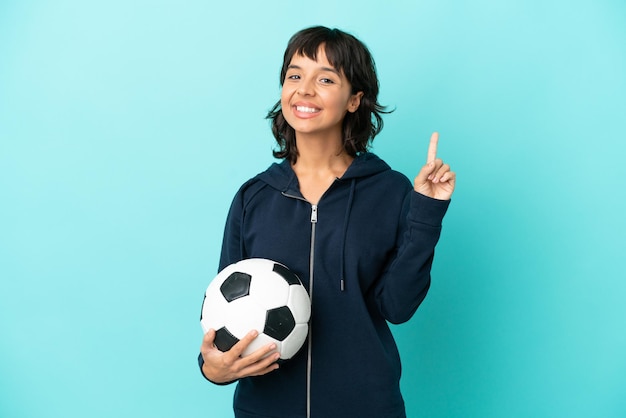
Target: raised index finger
column 432, row 148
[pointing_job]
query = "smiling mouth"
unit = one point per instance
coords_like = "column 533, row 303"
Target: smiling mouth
column 305, row 109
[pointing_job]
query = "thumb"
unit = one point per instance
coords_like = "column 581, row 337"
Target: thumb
column 208, row 340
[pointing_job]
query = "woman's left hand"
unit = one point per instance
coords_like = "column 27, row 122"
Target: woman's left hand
column 435, row 178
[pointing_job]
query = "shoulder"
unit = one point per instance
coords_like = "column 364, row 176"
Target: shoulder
column 276, row 177
column 248, row 190
column 386, row 176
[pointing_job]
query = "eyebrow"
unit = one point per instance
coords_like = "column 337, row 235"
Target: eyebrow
column 331, row 69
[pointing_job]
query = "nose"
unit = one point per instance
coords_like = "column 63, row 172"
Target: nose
column 305, row 87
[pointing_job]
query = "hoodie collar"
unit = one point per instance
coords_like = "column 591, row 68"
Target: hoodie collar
column 281, row 176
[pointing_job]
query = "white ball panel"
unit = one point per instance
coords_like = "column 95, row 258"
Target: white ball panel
column 257, row 264
column 269, row 290
column 212, row 317
column 243, row 315
column 293, row 342
column 299, row 303
column 213, row 310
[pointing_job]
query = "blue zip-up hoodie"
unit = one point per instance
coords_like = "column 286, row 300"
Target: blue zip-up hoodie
column 364, row 252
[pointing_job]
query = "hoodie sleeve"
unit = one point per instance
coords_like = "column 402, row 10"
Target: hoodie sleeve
column 232, row 245
column 232, row 248
column 405, row 282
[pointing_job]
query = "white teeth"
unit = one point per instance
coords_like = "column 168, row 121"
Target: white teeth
column 306, row 109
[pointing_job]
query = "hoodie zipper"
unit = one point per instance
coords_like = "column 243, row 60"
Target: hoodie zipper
column 311, row 270
column 311, row 264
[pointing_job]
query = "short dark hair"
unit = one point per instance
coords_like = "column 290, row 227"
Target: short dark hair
column 349, row 55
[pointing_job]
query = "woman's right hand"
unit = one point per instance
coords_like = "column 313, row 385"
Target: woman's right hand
column 223, row 367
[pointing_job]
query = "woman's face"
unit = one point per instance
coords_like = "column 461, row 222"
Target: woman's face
column 316, row 96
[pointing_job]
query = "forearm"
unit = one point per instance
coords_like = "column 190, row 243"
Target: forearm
column 406, row 281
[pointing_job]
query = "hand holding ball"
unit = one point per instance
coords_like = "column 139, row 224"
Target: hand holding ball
column 262, row 295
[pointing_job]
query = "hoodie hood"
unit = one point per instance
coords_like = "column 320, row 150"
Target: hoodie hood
column 281, row 176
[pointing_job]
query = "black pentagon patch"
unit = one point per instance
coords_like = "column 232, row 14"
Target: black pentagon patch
column 237, row 285
column 279, row 323
column 224, row 340
column 289, row 276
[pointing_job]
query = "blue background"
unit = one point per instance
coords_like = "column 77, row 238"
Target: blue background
column 126, row 128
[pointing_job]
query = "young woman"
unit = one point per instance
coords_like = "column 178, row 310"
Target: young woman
column 357, row 233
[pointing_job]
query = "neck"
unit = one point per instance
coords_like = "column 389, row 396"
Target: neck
column 321, row 155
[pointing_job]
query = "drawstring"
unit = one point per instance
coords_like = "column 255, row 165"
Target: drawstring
column 342, row 259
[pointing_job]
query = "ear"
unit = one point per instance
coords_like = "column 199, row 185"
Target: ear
column 354, row 102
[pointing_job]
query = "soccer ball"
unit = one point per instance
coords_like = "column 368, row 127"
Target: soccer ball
column 262, row 295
